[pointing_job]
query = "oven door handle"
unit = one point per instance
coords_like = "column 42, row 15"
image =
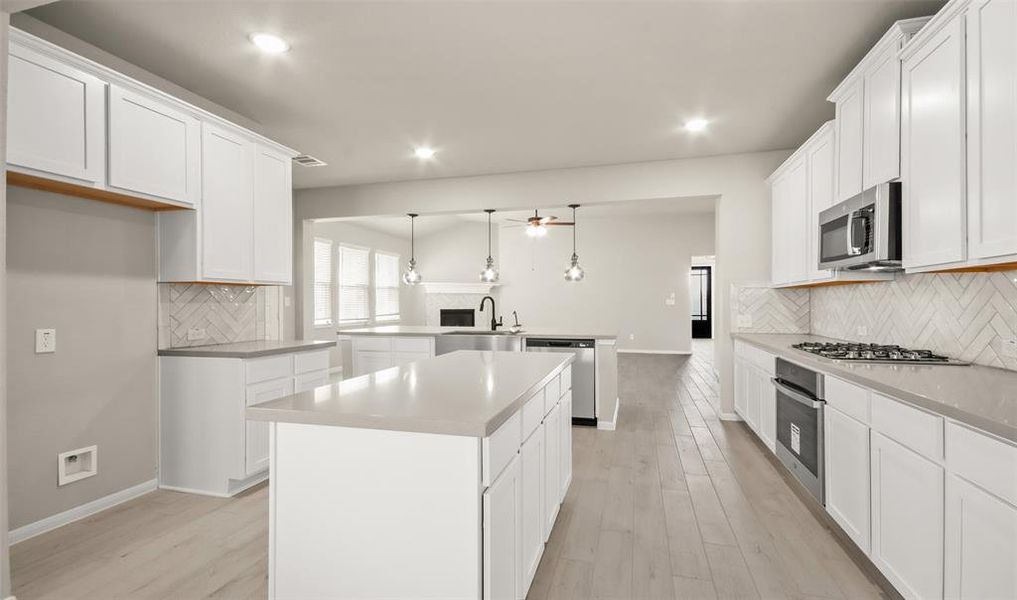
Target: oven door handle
column 795, row 394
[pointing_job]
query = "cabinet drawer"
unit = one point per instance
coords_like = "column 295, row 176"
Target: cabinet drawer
column 272, row 367
column 533, row 414
column 304, row 362
column 500, row 448
column 566, row 379
column 552, row 393
column 377, row 344
column 411, row 344
column 916, row 429
column 848, row 398
column 309, row 381
column 982, row 460
column 760, row 358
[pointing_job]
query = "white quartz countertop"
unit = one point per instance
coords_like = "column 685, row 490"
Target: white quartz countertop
column 466, row 393
column 982, row 397
column 527, row 332
column 249, row 349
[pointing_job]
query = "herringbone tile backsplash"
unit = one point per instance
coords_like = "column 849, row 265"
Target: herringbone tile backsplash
column 769, row 310
column 227, row 313
column 964, row 315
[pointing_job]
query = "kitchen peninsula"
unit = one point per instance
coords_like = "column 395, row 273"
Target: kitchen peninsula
column 439, row 478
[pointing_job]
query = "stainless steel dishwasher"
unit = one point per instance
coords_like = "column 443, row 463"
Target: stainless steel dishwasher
column 584, row 372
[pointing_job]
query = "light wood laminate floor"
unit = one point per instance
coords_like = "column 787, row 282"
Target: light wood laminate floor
column 674, row 504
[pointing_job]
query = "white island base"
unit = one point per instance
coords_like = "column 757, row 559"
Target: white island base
column 359, row 512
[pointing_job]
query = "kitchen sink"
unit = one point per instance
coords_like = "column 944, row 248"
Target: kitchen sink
column 477, row 340
column 482, row 332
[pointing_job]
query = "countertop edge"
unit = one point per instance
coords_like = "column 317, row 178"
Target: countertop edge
column 520, row 335
column 408, row 425
column 1001, row 430
column 197, row 352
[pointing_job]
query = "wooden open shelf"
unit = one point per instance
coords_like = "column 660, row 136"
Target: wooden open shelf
column 81, row 191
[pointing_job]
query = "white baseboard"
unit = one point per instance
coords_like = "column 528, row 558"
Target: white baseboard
column 728, row 416
column 638, row 351
column 80, row 512
column 610, row 425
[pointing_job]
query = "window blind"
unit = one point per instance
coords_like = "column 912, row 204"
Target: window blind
column 386, row 287
column 354, row 284
column 322, row 282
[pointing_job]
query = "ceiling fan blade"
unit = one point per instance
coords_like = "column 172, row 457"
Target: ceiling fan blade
column 566, row 223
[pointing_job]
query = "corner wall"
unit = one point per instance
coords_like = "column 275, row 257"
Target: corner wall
column 742, row 224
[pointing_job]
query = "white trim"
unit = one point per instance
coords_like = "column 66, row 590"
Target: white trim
column 610, row 425
column 453, row 287
column 729, row 416
column 80, row 512
column 638, row 351
column 185, row 490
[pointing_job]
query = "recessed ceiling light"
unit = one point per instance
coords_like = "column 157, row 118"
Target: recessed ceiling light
column 269, row 44
column 424, row 152
column 696, row 125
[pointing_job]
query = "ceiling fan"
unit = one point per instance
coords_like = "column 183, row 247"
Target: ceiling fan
column 536, row 226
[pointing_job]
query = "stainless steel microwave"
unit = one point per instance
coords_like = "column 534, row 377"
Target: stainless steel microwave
column 863, row 232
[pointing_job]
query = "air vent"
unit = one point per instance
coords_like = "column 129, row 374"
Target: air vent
column 306, row 160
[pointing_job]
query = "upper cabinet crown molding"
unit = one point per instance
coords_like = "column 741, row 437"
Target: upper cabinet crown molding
column 941, row 19
column 901, row 30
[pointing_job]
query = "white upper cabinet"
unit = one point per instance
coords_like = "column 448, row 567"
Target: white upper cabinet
column 850, row 116
column 992, row 128
column 154, row 147
column 227, row 213
column 273, row 216
column 932, row 149
column 868, row 115
column 56, row 119
column 820, row 157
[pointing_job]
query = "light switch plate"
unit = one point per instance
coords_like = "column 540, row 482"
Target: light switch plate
column 1010, row 348
column 196, row 333
column 45, row 341
column 863, row 330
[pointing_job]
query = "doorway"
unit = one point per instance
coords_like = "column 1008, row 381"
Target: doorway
column 701, row 301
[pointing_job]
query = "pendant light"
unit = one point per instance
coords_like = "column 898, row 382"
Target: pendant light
column 574, row 272
column 412, row 275
column 489, row 274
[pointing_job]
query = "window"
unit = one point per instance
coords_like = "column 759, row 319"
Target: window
column 322, row 282
column 386, row 286
column 354, row 284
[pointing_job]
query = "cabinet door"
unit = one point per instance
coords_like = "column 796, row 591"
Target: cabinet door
column 741, row 393
column 566, row 443
column 256, row 438
column 154, row 147
column 992, row 127
column 881, row 135
column 309, row 381
column 847, row 474
column 531, row 456
column 368, row 361
column 56, row 118
column 767, row 409
column 401, row 358
column 850, row 119
column 502, row 512
column 752, row 398
column 227, row 228
column 796, row 217
column 907, row 519
column 552, row 468
column 981, row 543
column 932, row 151
column 821, row 181
column 778, row 231
column 273, row 217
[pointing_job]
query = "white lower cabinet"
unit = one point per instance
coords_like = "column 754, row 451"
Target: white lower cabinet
column 907, row 518
column 981, row 543
column 206, row 445
column 532, row 462
column 374, row 353
column 552, row 468
column 847, row 474
column 566, row 441
column 503, row 534
column 755, row 398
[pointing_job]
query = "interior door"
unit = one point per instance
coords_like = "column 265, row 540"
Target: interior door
column 701, row 300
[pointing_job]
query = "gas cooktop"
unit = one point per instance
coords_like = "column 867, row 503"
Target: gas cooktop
column 875, row 353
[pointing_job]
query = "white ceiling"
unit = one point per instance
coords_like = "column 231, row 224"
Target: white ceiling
column 430, row 224
column 500, row 86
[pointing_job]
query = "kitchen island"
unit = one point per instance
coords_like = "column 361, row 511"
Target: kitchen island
column 440, row 478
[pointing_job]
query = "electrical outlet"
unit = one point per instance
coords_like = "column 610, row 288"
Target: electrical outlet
column 196, row 333
column 744, row 321
column 77, row 464
column 45, row 341
column 287, row 301
column 670, row 300
column 862, row 330
column 1010, row 348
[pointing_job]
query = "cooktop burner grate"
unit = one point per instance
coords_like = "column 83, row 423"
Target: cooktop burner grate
column 878, row 353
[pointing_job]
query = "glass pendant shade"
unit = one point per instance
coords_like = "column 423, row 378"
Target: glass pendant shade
column 489, row 274
column 574, row 272
column 412, row 276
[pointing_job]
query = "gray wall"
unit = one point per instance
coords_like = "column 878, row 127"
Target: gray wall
column 5, row 565
column 87, row 269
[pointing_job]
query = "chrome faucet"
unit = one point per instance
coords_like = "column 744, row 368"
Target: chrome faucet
column 495, row 323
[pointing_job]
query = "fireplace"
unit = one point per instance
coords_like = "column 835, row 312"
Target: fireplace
column 457, row 317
